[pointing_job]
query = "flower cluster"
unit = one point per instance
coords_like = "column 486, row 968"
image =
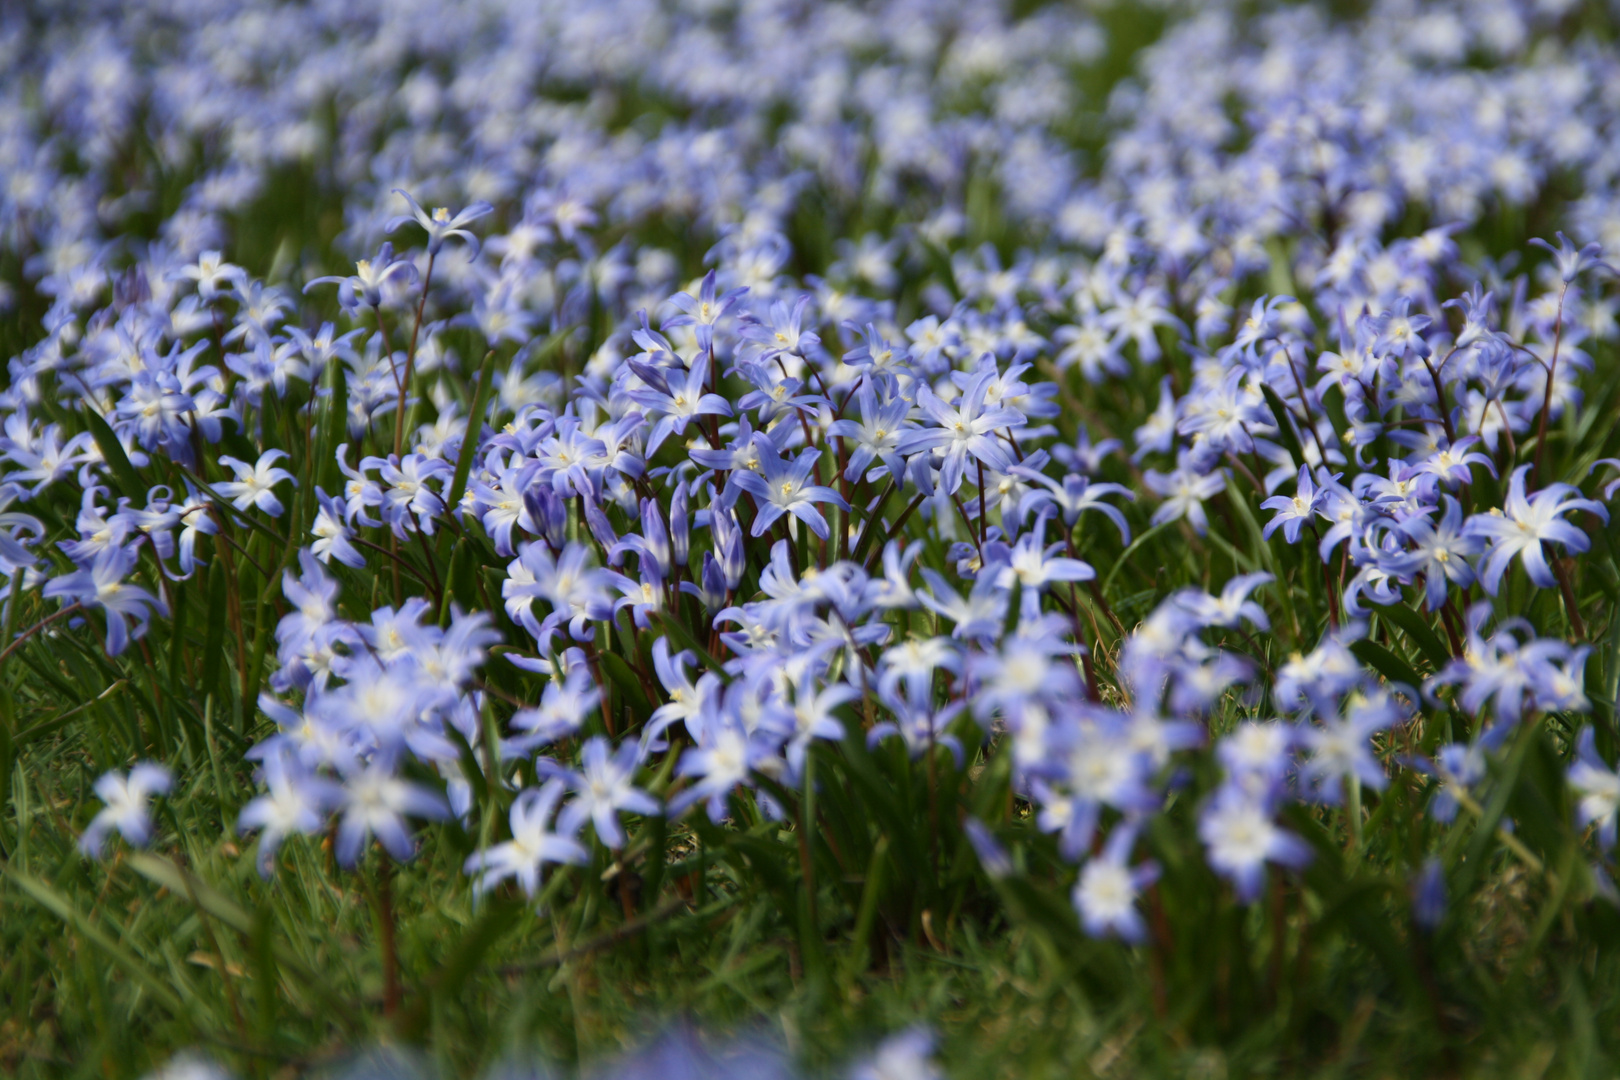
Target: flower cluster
column 521, row 508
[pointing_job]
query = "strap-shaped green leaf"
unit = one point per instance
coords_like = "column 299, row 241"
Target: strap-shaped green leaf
column 1386, row 663
column 112, row 452
column 1286, row 435
column 1421, row 633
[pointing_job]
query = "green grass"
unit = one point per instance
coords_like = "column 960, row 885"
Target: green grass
column 108, row 969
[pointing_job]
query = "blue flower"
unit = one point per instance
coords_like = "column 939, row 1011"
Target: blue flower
column 967, row 429
column 333, row 537
column 682, row 397
column 782, row 487
column 689, row 702
column 255, row 484
column 919, row 725
column 155, row 408
column 1340, row 746
column 1073, row 497
column 408, row 503
column 1240, row 837
column 1524, row 524
column 1034, row 564
column 313, row 594
column 376, row 802
column 1295, row 511
column 1429, row 894
column 723, row 758
column 126, row 809
column 1108, row 889
column 876, row 435
column 534, row 843
column 1571, row 261
column 1184, row 491
column 711, row 587
column 1456, row 767
column 102, row 585
column 784, row 333
column 1233, row 605
column 703, row 310
column 441, row 225
column 907, row 1055
column 365, row 285
column 1598, row 787
column 979, row 616
column 567, row 701
column 1440, row 552
column 297, row 803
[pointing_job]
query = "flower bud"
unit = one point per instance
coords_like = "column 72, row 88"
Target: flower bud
column 680, row 527
column 549, row 513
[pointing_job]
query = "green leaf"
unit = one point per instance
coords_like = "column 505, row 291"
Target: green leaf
column 458, row 965
column 1485, row 828
column 214, row 642
column 162, row 872
column 475, row 424
column 910, row 844
column 470, row 769
column 1125, row 556
column 333, row 427
column 7, row 759
column 624, row 677
column 1285, row 427
column 112, row 451
column 1387, row 664
column 869, row 533
column 1043, row 910
column 462, row 579
column 1358, row 904
column 1419, row 631
column 265, row 976
column 866, row 916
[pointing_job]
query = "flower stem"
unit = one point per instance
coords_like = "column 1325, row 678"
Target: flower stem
column 385, row 935
column 1546, row 400
column 410, row 358
column 36, row 628
column 1352, row 814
